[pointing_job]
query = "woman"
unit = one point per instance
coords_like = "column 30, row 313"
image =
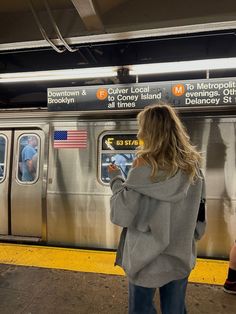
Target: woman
column 158, row 204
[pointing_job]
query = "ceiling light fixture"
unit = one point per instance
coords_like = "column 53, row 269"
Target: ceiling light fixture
column 54, row 75
column 139, row 69
column 183, row 66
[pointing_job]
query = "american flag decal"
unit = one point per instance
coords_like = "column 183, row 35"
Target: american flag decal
column 70, row 139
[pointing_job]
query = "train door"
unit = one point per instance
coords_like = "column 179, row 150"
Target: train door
column 21, row 184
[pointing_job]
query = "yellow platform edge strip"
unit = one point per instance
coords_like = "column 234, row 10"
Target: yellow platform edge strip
column 206, row 271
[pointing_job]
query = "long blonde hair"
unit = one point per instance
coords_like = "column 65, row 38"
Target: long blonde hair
column 166, row 145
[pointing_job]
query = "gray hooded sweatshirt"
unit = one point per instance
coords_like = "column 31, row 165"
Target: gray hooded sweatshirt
column 162, row 224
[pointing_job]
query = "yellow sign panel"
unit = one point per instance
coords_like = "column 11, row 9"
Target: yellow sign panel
column 120, row 142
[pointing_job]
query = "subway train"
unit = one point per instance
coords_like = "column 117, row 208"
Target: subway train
column 66, row 201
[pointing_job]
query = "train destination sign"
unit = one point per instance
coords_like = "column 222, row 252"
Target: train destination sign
column 208, row 92
column 120, row 142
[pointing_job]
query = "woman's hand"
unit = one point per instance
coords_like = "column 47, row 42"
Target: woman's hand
column 112, row 167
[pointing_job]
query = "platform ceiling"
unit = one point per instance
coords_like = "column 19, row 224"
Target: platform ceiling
column 59, row 34
column 83, row 20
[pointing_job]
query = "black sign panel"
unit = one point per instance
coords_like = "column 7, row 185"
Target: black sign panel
column 210, row 92
column 120, row 142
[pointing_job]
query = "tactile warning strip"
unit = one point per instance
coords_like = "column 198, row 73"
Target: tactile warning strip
column 206, row 271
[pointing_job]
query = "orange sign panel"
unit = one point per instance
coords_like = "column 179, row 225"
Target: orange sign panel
column 178, row 90
column 102, row 93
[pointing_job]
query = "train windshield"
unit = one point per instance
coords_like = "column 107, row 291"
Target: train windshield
column 118, row 149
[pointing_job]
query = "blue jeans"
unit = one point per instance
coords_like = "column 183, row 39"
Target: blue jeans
column 172, row 298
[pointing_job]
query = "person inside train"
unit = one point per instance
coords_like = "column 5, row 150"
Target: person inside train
column 158, row 206
column 230, row 283
column 27, row 160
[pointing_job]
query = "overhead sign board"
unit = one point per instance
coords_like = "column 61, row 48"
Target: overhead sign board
column 208, row 92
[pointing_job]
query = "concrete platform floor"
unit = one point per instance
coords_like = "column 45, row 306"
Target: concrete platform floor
column 33, row 290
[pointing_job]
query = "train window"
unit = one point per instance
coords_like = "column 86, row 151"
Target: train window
column 28, row 148
column 2, row 157
column 118, row 149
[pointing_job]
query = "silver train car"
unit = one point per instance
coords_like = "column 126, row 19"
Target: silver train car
column 66, row 203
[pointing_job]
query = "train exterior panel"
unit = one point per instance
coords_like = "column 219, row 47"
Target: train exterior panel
column 67, row 202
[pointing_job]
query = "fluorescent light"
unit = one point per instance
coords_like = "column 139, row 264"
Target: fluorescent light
column 139, row 69
column 58, row 74
column 183, row 66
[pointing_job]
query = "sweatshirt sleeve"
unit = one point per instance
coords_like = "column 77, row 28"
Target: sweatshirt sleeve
column 124, row 202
